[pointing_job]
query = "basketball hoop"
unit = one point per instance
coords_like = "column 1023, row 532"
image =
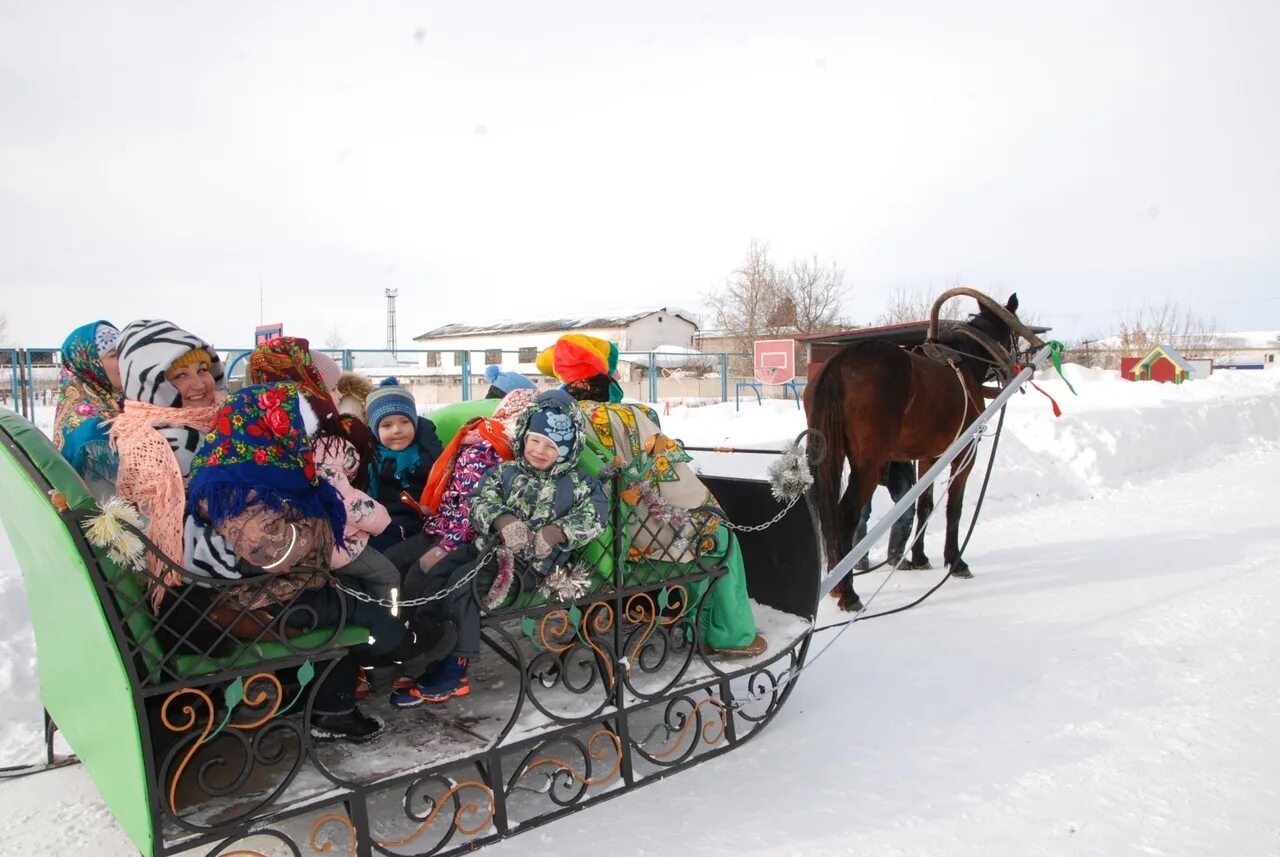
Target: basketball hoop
column 771, row 374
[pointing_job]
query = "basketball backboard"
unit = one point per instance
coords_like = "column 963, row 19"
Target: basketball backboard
column 775, row 360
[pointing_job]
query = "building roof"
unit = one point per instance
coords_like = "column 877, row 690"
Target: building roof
column 554, row 325
column 1169, row 352
column 906, row 333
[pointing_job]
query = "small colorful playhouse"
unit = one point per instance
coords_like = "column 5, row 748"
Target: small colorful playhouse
column 1163, row 363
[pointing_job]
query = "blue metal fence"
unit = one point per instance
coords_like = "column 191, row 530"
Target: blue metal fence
column 29, row 376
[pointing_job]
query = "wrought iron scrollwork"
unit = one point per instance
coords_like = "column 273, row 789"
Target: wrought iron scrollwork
column 469, row 818
column 565, row 783
column 263, row 740
column 686, row 723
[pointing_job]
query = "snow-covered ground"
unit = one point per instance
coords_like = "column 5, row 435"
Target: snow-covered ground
column 1107, row 684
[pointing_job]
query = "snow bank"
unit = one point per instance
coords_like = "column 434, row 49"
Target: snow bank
column 1112, row 433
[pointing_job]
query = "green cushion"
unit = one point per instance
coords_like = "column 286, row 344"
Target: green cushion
column 255, row 653
column 450, row 418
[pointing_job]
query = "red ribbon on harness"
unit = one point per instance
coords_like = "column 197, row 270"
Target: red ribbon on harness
column 1057, row 411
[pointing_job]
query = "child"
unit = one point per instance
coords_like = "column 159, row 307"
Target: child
column 407, row 447
column 480, row 445
column 173, row 386
column 501, row 383
column 88, row 397
column 534, row 510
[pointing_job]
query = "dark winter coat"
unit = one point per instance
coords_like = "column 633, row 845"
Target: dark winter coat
column 385, row 487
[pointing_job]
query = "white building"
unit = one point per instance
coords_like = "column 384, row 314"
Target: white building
column 514, row 345
column 1250, row 349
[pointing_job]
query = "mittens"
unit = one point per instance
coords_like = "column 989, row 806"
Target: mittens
column 547, row 540
column 513, row 532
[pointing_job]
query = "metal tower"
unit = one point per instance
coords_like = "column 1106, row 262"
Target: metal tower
column 391, row 320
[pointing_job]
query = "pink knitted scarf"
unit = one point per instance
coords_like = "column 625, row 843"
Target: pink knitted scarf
column 149, row 478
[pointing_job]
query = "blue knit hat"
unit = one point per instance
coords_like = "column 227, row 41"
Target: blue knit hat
column 390, row 398
column 555, row 416
column 505, row 382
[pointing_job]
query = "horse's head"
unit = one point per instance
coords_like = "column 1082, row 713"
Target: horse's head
column 993, row 325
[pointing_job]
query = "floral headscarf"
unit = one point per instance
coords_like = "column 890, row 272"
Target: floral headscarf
column 85, row 400
column 289, row 359
column 258, row 453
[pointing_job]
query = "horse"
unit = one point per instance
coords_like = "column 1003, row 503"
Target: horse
column 875, row 402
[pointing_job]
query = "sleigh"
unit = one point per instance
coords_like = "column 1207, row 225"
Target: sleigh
column 197, row 740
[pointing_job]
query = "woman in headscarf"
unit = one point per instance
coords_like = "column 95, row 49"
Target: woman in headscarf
column 258, row 505
column 173, row 384
column 88, row 397
column 344, row 448
column 586, row 365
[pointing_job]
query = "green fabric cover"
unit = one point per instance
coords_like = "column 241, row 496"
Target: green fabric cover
column 83, row 681
column 450, row 418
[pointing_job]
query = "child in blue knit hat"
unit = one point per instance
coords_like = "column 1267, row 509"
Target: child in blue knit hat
column 407, row 447
column 501, row 383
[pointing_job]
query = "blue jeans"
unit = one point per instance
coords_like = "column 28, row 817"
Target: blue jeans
column 898, row 477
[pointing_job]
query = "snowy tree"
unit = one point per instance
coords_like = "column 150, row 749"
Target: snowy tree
column 1167, row 323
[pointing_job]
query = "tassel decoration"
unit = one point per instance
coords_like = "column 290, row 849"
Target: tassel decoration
column 789, row 475
column 107, row 531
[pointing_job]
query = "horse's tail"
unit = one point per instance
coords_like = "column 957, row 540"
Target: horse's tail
column 825, row 403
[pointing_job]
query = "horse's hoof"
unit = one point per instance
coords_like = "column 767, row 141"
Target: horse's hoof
column 962, row 572
column 862, row 565
column 918, row 565
column 851, row 604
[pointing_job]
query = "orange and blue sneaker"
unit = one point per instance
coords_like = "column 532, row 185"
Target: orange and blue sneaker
column 444, row 683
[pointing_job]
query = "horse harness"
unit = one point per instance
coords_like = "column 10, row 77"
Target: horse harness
column 1001, row 362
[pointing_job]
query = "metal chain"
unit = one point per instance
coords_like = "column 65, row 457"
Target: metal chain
column 417, row 602
column 756, row 528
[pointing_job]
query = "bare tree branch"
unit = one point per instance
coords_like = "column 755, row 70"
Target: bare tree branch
column 334, row 338
column 762, row 301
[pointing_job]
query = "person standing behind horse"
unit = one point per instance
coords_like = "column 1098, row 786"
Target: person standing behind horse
column 898, row 477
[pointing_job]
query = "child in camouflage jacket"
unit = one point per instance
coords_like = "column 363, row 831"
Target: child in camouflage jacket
column 530, row 512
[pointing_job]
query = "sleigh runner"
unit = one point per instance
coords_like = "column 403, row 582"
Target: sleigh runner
column 195, row 731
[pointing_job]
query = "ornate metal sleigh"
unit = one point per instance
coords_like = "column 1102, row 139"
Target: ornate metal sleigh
column 199, row 742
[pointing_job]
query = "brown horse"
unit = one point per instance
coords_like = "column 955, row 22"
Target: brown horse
column 875, row 402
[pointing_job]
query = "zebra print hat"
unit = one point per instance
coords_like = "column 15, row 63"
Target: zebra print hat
column 146, row 349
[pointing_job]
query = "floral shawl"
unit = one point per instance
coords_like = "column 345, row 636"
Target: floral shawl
column 86, row 400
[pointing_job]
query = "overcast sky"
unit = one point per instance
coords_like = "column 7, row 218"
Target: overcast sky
column 528, row 159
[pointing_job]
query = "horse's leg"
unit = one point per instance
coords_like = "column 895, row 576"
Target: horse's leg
column 862, row 484
column 924, row 508
column 861, row 533
column 955, row 504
